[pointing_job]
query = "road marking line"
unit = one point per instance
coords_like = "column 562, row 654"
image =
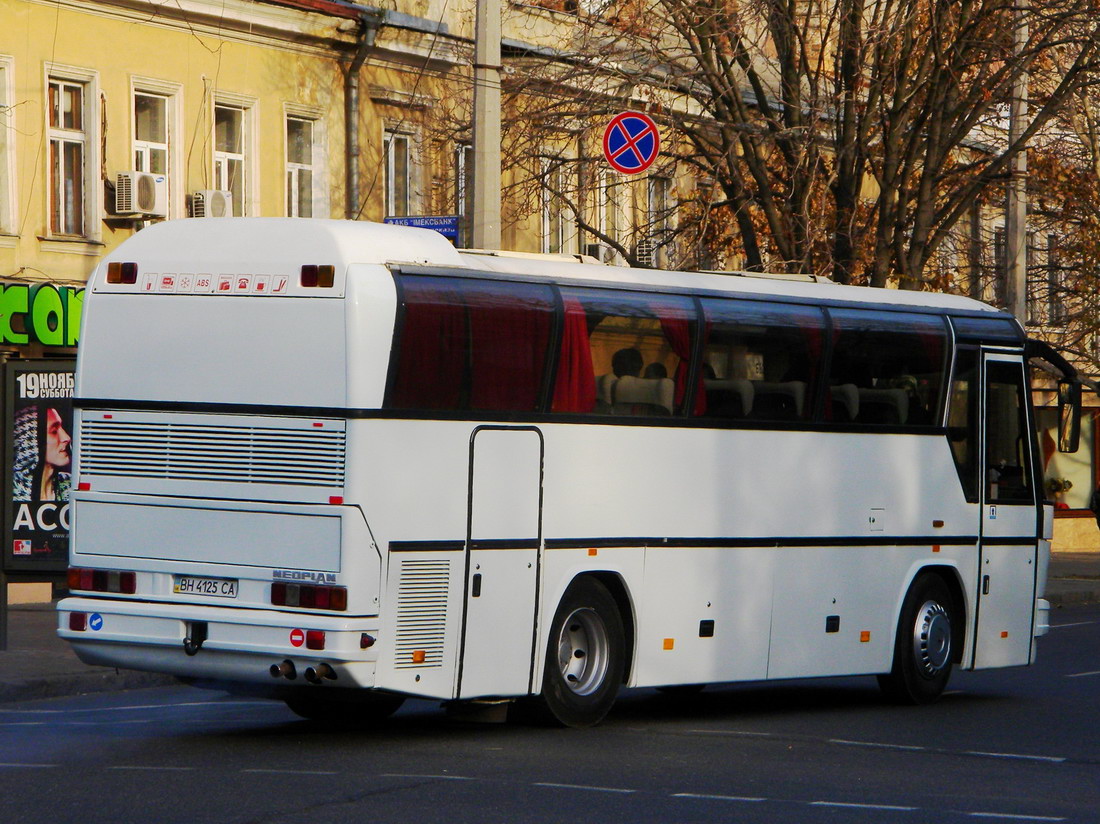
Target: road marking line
column 143, row 707
column 290, row 772
column 1016, row 817
column 1051, row 759
column 1083, row 674
column 875, row 745
column 421, row 775
column 891, row 807
column 148, row 768
column 734, row 732
column 583, row 787
column 1078, row 624
column 708, row 797
column 14, row 766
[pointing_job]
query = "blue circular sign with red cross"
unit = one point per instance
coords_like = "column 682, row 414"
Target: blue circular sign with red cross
column 631, row 142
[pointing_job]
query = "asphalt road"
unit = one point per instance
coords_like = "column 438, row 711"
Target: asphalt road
column 1006, row 745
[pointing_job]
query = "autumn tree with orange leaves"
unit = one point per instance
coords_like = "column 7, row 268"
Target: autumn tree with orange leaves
column 840, row 137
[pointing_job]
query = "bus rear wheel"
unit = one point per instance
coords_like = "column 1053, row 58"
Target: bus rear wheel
column 584, row 657
column 923, row 648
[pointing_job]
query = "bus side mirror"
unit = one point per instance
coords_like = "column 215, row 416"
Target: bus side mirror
column 1069, row 416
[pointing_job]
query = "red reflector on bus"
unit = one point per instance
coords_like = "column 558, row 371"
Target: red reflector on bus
column 315, row 639
column 78, row 621
column 84, row 486
column 366, row 641
column 336, row 500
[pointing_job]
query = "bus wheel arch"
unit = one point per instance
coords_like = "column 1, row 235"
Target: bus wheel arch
column 928, row 638
column 585, row 654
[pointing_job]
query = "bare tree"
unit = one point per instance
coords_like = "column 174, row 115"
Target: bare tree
column 842, row 137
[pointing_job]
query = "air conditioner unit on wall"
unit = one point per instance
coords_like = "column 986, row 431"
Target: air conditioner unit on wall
column 212, row 203
column 141, row 194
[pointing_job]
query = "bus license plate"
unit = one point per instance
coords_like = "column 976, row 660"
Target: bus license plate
column 213, row 587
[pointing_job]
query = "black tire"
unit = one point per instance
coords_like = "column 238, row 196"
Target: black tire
column 330, row 707
column 924, row 650
column 585, row 656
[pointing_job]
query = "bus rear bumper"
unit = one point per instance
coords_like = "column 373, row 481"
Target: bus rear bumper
column 259, row 647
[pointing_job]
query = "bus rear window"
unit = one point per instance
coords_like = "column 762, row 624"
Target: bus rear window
column 466, row 344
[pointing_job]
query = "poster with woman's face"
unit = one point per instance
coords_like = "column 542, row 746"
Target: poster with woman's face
column 40, row 422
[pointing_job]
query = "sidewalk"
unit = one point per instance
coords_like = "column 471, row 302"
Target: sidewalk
column 38, row 664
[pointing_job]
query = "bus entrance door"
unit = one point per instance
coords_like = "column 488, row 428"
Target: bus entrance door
column 504, row 536
column 1009, row 528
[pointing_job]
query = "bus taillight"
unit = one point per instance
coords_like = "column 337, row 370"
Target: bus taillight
column 102, row 580
column 309, row 596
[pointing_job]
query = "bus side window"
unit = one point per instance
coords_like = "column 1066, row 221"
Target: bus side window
column 887, row 367
column 465, row 344
column 962, row 420
column 760, row 360
column 637, row 348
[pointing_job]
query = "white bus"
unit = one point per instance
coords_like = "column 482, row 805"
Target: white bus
column 342, row 463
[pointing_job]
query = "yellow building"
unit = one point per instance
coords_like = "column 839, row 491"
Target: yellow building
column 114, row 113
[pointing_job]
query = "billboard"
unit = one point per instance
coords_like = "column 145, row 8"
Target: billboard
column 38, row 425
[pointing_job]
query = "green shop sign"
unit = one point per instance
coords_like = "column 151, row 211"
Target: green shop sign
column 41, row 312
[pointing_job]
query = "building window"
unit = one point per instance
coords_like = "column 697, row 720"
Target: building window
column 464, row 193
column 1056, row 283
column 231, row 140
column 660, row 218
column 69, row 144
column 397, row 148
column 559, row 231
column 300, row 171
column 150, row 133
column 612, row 217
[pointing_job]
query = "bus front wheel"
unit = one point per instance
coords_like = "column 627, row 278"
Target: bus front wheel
column 584, row 657
column 923, row 647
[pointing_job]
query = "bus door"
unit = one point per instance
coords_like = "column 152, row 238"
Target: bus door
column 1008, row 532
column 503, row 546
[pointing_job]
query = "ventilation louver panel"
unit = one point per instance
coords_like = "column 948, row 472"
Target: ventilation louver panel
column 228, row 454
column 422, row 590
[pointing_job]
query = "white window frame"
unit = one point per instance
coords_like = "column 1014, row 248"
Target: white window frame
column 464, row 192
column 8, row 217
column 560, row 233
column 319, row 201
column 660, row 215
column 390, row 138
column 173, row 112
column 247, row 156
column 88, row 137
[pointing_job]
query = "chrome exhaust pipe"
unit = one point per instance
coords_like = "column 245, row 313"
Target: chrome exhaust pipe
column 285, row 670
column 310, row 674
column 325, row 671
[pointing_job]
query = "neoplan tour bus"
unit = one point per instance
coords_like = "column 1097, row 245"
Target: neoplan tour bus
column 342, row 463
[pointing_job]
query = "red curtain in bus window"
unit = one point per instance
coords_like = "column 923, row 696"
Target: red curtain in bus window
column 677, row 332
column 575, row 388
column 509, row 334
column 433, row 344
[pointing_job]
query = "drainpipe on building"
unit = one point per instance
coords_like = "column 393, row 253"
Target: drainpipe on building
column 369, row 24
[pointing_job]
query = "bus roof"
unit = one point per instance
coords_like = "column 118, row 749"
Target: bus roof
column 247, row 244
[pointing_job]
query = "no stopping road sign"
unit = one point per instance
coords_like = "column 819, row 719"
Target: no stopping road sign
column 631, row 142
